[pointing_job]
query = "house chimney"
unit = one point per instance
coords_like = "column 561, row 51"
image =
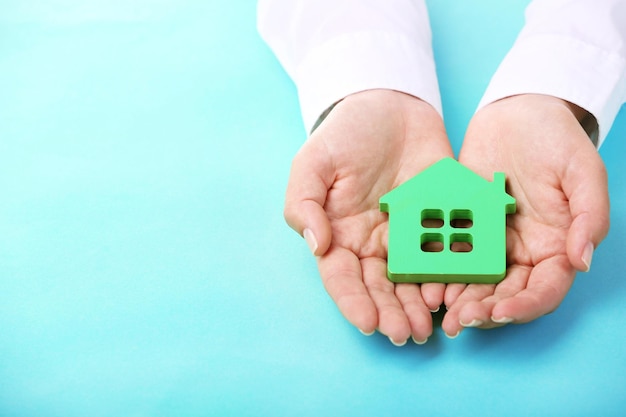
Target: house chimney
column 499, row 180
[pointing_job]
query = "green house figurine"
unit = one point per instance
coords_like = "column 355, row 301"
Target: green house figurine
column 448, row 224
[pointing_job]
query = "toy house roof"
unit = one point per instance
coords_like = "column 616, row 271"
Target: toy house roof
column 447, row 180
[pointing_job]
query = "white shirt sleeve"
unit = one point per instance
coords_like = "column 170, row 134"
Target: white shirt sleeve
column 571, row 49
column 334, row 48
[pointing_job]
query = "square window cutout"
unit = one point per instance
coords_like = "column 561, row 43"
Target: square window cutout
column 461, row 242
column 461, row 219
column 432, row 218
column 432, row 242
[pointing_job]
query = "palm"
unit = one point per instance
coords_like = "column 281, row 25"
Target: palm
column 538, row 232
column 356, row 222
column 352, row 200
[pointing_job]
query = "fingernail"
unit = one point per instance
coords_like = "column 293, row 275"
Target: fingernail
column 364, row 333
column 419, row 342
column 473, row 323
column 399, row 344
column 502, row 320
column 588, row 255
column 310, row 239
column 435, row 310
column 453, row 336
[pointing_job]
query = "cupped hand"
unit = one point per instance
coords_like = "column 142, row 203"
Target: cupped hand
column 370, row 142
column 560, row 184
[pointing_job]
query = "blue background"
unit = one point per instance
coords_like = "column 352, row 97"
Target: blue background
column 146, row 270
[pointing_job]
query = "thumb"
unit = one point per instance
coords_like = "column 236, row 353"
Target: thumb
column 586, row 187
column 311, row 176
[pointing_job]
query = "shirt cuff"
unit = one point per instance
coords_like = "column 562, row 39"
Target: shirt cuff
column 364, row 61
column 563, row 67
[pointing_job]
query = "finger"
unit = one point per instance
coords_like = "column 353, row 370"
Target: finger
column 417, row 311
column 476, row 312
column 311, row 176
column 452, row 293
column 433, row 293
column 472, row 295
column 548, row 283
column 586, row 187
column 392, row 319
column 341, row 274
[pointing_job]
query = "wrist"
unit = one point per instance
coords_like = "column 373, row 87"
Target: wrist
column 586, row 120
column 385, row 97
